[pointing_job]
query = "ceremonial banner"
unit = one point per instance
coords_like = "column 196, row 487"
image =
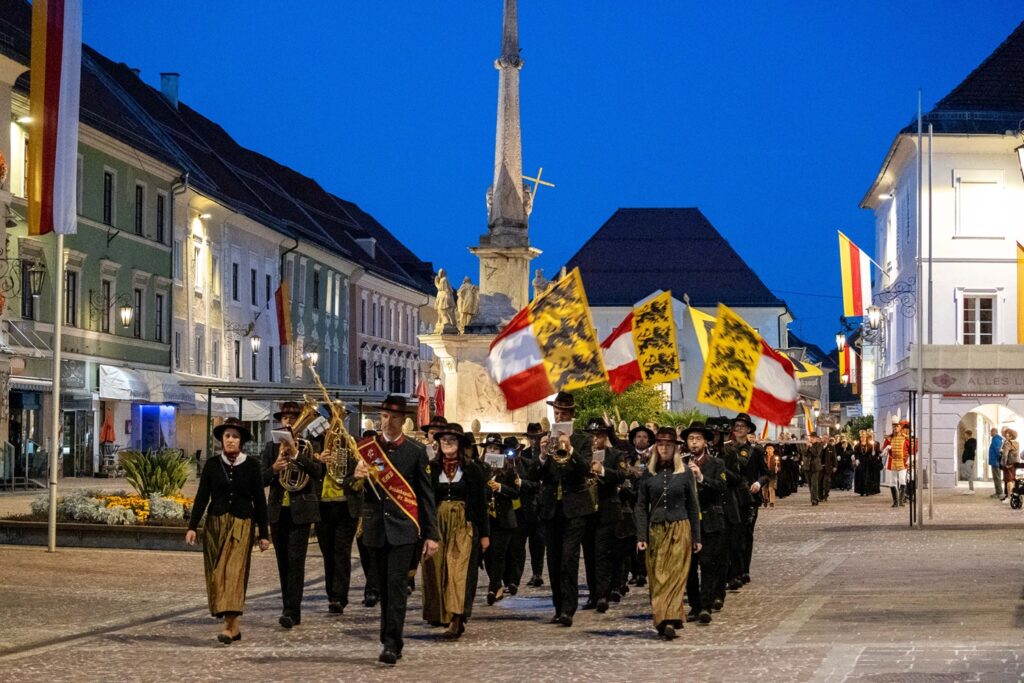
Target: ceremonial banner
column 56, row 69
column 808, row 422
column 549, row 346
column 856, row 271
column 283, row 307
column 1020, row 294
column 384, row 475
column 849, row 367
column 643, row 347
column 744, row 374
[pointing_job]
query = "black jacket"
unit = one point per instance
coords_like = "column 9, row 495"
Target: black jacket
column 304, row 503
column 569, row 478
column 475, row 495
column 667, row 497
column 711, row 493
column 384, row 523
column 501, row 503
column 234, row 490
column 609, row 503
column 528, row 489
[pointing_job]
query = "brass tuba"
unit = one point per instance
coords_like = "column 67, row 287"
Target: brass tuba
column 292, row 478
column 339, row 445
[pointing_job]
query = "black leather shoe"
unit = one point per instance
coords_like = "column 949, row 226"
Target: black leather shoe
column 691, row 617
column 616, row 596
column 602, row 606
column 704, row 616
column 224, row 638
column 513, row 589
column 557, row 619
column 335, row 608
column 491, row 598
column 589, row 604
column 717, row 605
column 641, row 581
column 370, row 600
column 745, row 578
column 669, row 633
column 565, row 620
column 388, row 657
column 286, row 621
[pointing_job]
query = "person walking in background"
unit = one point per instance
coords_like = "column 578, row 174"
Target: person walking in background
column 995, row 454
column 967, row 460
column 1009, row 457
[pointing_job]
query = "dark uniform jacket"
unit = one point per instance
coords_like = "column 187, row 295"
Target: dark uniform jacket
column 304, row 503
column 667, row 497
column 528, row 489
column 711, row 493
column 609, row 504
column 501, row 503
column 829, row 458
column 812, row 458
column 568, row 480
column 747, row 461
column 476, row 503
column 635, row 464
column 384, row 523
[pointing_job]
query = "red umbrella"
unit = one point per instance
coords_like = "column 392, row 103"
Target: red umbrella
column 107, row 430
column 439, row 400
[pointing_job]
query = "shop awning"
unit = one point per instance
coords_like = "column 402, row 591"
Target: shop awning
column 164, row 388
column 30, row 384
column 255, row 411
column 122, row 384
column 222, row 407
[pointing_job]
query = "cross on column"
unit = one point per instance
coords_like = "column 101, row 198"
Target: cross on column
column 537, row 181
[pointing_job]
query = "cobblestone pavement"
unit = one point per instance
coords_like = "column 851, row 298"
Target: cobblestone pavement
column 842, row 592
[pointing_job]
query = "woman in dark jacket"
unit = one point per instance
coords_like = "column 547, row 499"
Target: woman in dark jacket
column 231, row 495
column 450, row 574
column 667, row 519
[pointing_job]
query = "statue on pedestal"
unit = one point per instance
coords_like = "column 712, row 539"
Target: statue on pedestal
column 469, row 303
column 540, row 283
column 444, row 304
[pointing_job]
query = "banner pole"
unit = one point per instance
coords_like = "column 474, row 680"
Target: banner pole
column 55, row 444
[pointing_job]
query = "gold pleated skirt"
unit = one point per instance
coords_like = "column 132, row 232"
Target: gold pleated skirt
column 446, row 573
column 227, row 552
column 669, row 550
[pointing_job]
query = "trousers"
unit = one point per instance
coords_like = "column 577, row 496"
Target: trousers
column 334, row 534
column 702, row 586
column 563, row 538
column 525, row 534
column 291, row 541
column 392, row 563
column 496, row 557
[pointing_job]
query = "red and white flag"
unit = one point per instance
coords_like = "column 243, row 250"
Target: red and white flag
column 643, row 347
column 548, row 346
column 53, row 107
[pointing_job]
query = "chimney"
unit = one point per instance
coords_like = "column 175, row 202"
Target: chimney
column 135, row 71
column 169, row 87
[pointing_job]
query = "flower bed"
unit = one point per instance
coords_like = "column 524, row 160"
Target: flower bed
column 116, row 509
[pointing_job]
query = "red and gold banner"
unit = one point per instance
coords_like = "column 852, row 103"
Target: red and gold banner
column 282, row 309
column 856, row 271
column 384, row 475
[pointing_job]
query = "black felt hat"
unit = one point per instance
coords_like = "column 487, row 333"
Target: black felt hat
column 232, row 423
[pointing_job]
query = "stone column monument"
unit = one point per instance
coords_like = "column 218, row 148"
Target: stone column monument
column 505, row 254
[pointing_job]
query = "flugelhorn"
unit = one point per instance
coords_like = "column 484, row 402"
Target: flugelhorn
column 292, row 478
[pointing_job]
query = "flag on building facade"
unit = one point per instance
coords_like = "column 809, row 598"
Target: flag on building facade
column 855, row 266
column 744, row 374
column 1020, row 294
column 643, row 347
column 849, row 368
column 56, row 64
column 551, row 345
column 282, row 310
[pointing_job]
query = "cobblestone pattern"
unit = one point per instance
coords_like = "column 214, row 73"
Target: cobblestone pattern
column 841, row 592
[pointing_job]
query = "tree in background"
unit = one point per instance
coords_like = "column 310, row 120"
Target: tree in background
column 855, row 424
column 640, row 403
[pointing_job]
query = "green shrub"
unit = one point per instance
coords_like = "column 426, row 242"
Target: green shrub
column 641, row 403
column 681, row 419
column 162, row 472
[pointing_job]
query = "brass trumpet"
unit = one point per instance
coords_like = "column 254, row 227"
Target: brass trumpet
column 339, row 445
column 292, row 478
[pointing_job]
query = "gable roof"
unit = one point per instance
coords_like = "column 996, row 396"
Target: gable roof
column 991, row 98
column 617, row 271
column 117, row 102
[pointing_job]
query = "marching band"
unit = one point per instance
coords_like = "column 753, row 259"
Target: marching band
column 671, row 509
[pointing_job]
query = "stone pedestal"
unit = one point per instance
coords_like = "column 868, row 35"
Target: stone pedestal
column 470, row 392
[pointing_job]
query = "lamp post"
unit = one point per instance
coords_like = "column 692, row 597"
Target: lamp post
column 255, row 341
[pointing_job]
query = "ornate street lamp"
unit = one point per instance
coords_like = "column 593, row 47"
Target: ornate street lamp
column 35, row 278
column 845, row 378
column 255, row 341
column 313, row 357
column 127, row 315
column 874, row 317
column 840, row 341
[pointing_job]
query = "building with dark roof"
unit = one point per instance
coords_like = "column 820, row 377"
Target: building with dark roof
column 966, row 297
column 701, row 267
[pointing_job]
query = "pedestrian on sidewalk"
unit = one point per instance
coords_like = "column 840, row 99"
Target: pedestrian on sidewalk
column 995, row 448
column 231, row 494
column 1009, row 457
column 967, row 460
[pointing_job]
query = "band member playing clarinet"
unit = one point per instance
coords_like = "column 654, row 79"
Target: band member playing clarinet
column 398, row 511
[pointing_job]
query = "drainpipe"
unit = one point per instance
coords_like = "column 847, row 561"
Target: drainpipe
column 179, row 187
column 281, row 271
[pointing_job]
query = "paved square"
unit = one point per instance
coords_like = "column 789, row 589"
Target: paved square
column 841, row 592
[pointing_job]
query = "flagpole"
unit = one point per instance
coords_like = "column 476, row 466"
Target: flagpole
column 931, row 416
column 916, row 428
column 55, row 445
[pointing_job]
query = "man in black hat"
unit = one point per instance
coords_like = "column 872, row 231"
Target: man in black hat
column 430, row 429
column 641, row 440
column 745, row 458
column 501, row 495
column 388, row 528
column 529, row 530
column 702, row 586
column 813, row 466
column 607, row 472
column 291, row 513
column 563, row 504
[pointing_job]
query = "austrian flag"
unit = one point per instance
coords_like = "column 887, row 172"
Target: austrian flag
column 744, row 374
column 643, row 347
column 548, row 346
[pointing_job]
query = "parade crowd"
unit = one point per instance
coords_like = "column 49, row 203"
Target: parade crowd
column 670, row 508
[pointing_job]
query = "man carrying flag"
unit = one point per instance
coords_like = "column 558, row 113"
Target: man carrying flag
column 643, row 346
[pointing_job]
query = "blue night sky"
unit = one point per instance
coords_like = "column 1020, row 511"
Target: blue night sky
column 773, row 118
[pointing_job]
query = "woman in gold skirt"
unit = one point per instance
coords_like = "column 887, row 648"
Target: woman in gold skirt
column 450, row 575
column 668, row 528
column 231, row 495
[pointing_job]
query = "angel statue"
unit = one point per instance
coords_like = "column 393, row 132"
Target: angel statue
column 444, row 304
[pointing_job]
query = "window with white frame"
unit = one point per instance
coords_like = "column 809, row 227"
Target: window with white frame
column 215, row 358
column 161, row 217
column 200, row 266
column 109, row 196
column 177, row 350
column 980, row 203
column 978, row 315
column 199, row 354
column 176, row 261
column 140, row 208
